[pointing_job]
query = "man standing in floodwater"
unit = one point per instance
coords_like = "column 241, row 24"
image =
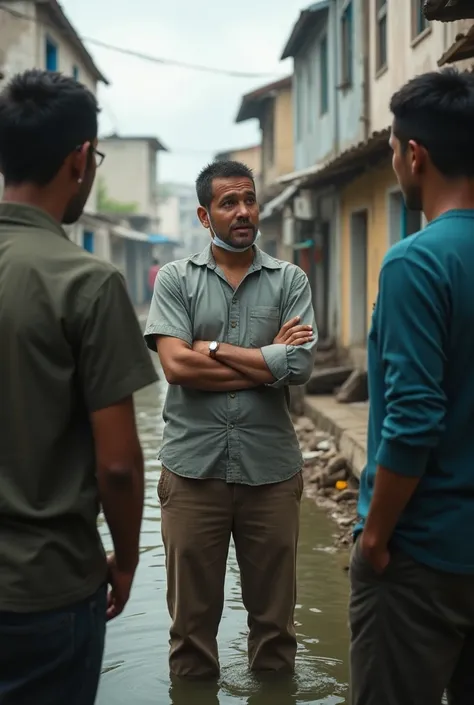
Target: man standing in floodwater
column 71, row 357
column 233, row 328
column 412, row 569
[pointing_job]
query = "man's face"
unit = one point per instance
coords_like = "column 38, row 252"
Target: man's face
column 234, row 211
column 406, row 167
column 86, row 169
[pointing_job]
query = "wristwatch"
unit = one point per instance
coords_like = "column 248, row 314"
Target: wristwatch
column 213, row 348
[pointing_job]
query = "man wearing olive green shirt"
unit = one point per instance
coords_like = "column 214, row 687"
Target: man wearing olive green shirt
column 233, row 328
column 71, row 357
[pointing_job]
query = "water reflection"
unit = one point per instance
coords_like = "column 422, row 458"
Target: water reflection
column 135, row 664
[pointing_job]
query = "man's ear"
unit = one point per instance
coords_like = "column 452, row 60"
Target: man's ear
column 203, row 217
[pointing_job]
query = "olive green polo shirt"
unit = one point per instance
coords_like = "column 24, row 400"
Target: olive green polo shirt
column 244, row 436
column 70, row 344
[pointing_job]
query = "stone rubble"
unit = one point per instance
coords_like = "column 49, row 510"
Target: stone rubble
column 328, row 479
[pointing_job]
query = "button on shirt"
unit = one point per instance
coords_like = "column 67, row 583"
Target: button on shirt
column 246, row 436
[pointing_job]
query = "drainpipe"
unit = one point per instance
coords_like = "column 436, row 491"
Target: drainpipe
column 365, row 34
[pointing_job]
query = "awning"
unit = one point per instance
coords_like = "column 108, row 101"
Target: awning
column 463, row 48
column 128, row 234
column 279, row 202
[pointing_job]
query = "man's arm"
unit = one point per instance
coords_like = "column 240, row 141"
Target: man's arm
column 113, row 363
column 188, row 368
column 169, row 332
column 411, row 319
column 250, row 361
column 292, row 364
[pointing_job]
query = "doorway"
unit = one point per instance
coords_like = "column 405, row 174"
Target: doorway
column 402, row 222
column 358, row 290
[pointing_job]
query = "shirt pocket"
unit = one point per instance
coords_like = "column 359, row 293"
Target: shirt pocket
column 264, row 325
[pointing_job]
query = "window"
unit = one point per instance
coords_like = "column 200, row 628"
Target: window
column 269, row 136
column 347, row 39
column 309, row 94
column 323, row 78
column 402, row 222
column 418, row 21
column 299, row 103
column 381, row 38
column 75, row 72
column 51, row 56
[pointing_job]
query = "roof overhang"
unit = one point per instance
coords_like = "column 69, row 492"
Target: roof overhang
column 363, row 155
column 279, row 202
column 252, row 103
column 61, row 21
column 305, row 23
column 153, row 142
column 448, row 10
column 462, row 48
column 95, row 221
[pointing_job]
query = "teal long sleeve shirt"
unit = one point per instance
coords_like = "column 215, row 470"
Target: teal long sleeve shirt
column 421, row 387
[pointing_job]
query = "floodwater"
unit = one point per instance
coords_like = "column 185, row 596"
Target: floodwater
column 135, row 668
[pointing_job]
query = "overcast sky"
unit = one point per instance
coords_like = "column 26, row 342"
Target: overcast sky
column 192, row 113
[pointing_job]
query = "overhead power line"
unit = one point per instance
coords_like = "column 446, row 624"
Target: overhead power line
column 142, row 55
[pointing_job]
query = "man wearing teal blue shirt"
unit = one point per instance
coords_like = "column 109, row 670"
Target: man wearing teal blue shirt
column 412, row 569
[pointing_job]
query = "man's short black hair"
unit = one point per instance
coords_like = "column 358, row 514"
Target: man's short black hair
column 44, row 116
column 436, row 110
column 225, row 169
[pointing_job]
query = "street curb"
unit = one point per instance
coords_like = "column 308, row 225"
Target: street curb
column 349, row 443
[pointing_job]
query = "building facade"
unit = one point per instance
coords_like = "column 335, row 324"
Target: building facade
column 128, row 179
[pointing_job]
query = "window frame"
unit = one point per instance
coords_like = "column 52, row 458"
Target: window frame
column 381, row 18
column 347, row 44
column 417, row 14
column 323, row 75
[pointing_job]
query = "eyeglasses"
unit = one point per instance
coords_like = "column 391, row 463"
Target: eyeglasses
column 99, row 156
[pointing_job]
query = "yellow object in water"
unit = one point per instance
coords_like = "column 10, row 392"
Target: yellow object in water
column 341, row 485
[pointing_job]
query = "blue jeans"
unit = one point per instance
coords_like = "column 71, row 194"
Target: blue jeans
column 53, row 658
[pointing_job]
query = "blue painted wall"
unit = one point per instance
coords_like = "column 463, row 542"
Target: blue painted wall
column 322, row 133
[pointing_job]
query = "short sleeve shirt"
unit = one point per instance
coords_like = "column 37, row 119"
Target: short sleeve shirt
column 71, row 344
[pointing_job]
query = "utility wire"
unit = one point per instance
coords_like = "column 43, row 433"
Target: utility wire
column 141, row 55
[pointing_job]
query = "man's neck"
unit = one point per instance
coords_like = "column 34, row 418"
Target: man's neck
column 452, row 195
column 233, row 260
column 30, row 195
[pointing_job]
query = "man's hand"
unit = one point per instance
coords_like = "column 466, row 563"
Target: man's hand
column 201, row 346
column 294, row 334
column 120, row 585
column 375, row 553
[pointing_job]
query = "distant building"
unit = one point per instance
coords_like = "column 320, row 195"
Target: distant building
column 128, row 178
column 179, row 220
column 251, row 156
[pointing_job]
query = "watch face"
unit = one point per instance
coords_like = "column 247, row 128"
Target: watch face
column 213, row 346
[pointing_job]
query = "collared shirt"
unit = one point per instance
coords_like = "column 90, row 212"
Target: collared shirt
column 70, row 345
column 244, row 436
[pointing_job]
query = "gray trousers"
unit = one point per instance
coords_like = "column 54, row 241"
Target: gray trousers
column 412, row 634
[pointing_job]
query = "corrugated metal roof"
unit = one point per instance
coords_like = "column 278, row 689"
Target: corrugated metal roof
column 462, row 48
column 353, row 159
column 448, row 10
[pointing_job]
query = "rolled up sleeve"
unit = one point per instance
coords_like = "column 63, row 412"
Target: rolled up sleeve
column 168, row 312
column 290, row 364
column 411, row 316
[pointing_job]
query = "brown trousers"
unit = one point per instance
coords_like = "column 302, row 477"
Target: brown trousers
column 198, row 518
